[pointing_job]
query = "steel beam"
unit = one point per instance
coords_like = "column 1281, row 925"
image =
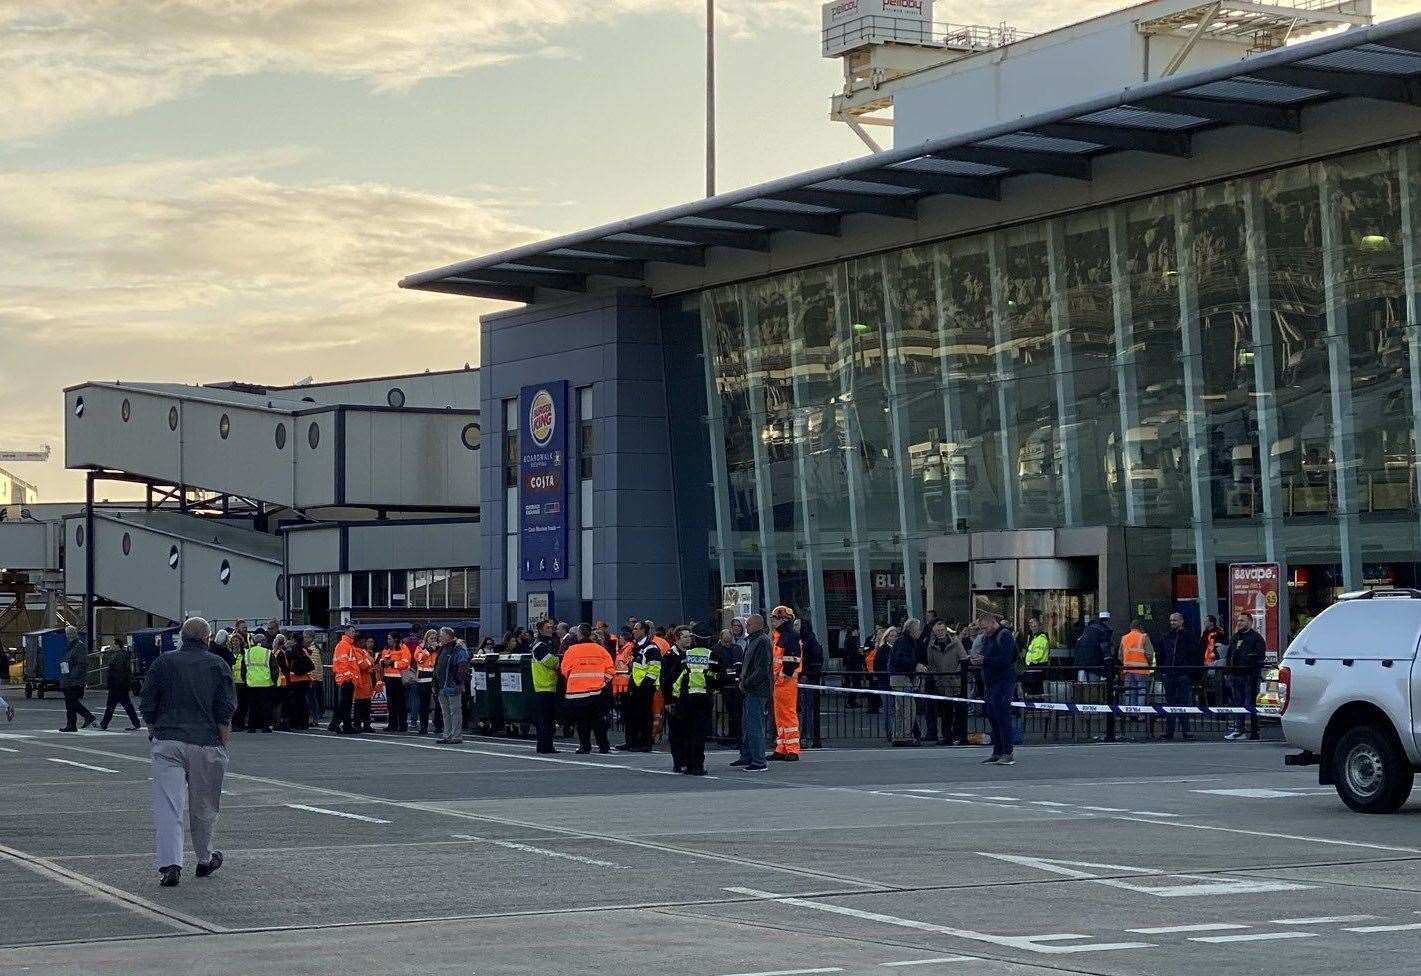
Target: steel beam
column 1280, row 117
column 1074, row 166
column 474, row 289
column 740, row 240
column 900, row 206
column 694, row 257
column 606, row 267
column 1360, row 84
column 1158, row 141
column 561, row 281
column 977, row 187
column 826, row 225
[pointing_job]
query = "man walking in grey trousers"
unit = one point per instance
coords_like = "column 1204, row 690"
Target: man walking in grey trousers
column 187, row 701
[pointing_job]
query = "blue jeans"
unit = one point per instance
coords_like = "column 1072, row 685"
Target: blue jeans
column 998, row 709
column 1136, row 688
column 752, row 729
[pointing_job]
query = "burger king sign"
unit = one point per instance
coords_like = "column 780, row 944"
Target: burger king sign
column 542, row 496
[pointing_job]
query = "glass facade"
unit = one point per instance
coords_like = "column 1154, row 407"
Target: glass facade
column 1231, row 369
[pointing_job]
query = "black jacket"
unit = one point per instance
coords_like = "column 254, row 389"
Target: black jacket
column 1246, row 649
column 120, row 672
column 756, row 677
column 1094, row 645
column 1179, row 649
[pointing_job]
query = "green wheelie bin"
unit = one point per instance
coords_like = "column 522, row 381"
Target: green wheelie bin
column 515, row 682
column 488, row 697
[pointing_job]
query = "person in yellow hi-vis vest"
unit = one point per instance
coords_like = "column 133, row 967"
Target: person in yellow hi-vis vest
column 1137, row 663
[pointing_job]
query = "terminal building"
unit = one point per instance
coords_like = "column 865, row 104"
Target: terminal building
column 315, row 504
column 1061, row 348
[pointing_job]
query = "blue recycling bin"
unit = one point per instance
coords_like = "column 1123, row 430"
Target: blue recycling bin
column 148, row 643
column 44, row 653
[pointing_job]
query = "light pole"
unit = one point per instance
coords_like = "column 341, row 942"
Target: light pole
column 710, row 98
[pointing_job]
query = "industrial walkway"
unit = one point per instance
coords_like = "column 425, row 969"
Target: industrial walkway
column 351, row 855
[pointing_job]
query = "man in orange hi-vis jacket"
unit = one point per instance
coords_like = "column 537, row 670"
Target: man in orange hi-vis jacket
column 344, row 669
column 785, row 647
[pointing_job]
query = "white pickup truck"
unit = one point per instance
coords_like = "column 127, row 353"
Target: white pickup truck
column 1350, row 697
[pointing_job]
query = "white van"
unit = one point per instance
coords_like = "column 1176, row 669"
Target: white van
column 1350, row 697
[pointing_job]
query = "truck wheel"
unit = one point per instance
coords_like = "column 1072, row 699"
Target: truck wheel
column 1372, row 773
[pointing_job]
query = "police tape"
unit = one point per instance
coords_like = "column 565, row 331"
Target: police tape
column 1072, row 707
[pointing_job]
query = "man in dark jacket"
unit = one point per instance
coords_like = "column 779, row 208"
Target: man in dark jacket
column 726, row 658
column 73, row 676
column 1246, row 653
column 188, row 700
column 756, row 685
column 997, row 659
column 1178, row 648
column 1093, row 648
column 811, row 671
column 119, row 680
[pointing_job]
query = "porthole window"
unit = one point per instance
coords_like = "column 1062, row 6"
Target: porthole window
column 281, row 437
column 78, row 406
column 125, row 410
column 224, row 426
column 172, row 418
column 472, row 436
column 173, row 558
column 313, row 435
column 224, row 573
column 127, row 544
column 79, row 535
column 396, row 397
column 308, row 399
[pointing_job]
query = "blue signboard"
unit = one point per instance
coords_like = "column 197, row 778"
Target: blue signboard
column 542, row 478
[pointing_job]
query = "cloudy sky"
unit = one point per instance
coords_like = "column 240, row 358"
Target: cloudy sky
column 200, row 190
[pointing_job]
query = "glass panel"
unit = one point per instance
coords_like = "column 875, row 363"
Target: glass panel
column 913, row 282
column 1037, row 465
column 1160, row 454
column 586, row 574
column 360, row 589
column 865, row 359
column 969, row 351
column 1090, row 311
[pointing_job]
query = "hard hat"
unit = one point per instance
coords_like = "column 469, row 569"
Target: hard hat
column 1105, row 615
column 782, row 611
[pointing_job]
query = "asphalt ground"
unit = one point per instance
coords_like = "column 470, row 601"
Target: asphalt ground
column 382, row 854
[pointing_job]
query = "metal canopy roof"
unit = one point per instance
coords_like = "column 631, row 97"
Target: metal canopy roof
column 1269, row 90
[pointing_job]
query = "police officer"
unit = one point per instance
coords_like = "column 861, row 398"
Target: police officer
column 683, row 684
column 641, row 693
column 546, row 661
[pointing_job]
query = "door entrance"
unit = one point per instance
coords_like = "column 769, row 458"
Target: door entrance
column 317, row 600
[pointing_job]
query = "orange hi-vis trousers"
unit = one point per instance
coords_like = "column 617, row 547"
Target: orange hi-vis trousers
column 786, row 701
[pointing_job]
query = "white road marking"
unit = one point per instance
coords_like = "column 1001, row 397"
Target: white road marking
column 490, row 752
column 1152, row 813
column 1002, row 799
column 1410, row 927
column 1050, row 803
column 1107, row 809
column 1254, row 937
column 1203, row 886
column 1321, row 920
column 7, row 749
column 1203, row 927
column 908, row 789
column 1030, row 943
column 337, row 813
column 1271, row 835
column 929, row 962
column 70, row 762
column 46, row 868
column 1252, row 793
column 791, row 972
column 530, row 849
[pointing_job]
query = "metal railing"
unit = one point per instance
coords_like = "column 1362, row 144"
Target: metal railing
column 869, row 29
